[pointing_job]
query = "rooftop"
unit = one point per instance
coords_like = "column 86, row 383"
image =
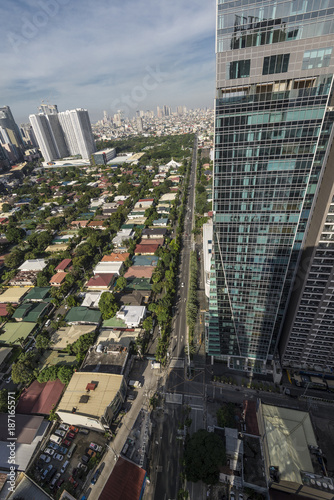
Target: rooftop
column 14, row 331
column 288, row 434
column 37, row 293
column 13, row 294
column 96, row 401
column 83, row 315
column 126, row 482
column 70, row 334
column 40, row 398
column 33, row 265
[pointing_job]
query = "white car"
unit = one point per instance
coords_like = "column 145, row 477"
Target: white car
column 59, row 457
column 182, row 285
column 64, row 427
column 60, row 433
column 95, row 447
column 9, row 379
column 49, row 451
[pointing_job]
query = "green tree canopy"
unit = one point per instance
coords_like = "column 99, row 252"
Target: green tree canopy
column 108, row 305
column 204, row 453
column 121, row 283
column 3, row 401
column 42, row 341
column 226, row 416
column 22, row 372
column 14, row 234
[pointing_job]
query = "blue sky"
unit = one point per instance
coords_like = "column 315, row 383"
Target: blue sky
column 107, row 54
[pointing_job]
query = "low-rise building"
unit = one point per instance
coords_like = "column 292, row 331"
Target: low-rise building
column 82, row 316
column 33, row 265
column 108, row 267
column 92, row 400
column 132, row 315
column 58, row 279
column 69, row 334
column 101, row 281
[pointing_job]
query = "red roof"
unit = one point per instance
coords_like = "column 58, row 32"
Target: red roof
column 139, row 272
column 63, row 265
column 116, row 257
column 40, row 398
column 3, row 309
column 145, row 199
column 126, row 482
column 152, row 241
column 99, row 280
column 58, row 278
column 146, row 249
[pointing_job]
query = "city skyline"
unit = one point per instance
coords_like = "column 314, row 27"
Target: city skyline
column 145, row 56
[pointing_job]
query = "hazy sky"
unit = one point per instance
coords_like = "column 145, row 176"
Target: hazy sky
column 106, row 54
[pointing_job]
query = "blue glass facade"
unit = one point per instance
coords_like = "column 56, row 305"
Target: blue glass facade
column 272, row 134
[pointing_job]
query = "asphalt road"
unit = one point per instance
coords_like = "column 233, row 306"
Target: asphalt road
column 168, row 448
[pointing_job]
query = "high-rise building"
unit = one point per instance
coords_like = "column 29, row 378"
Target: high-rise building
column 139, row 123
column 273, row 134
column 8, row 123
column 83, row 132
column 44, row 135
column 28, row 135
column 48, row 109
column 60, row 134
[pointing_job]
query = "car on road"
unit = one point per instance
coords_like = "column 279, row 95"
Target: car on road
column 9, row 379
column 45, row 458
column 95, row 477
column 182, row 285
column 59, row 457
column 95, row 447
column 60, row 433
column 49, row 451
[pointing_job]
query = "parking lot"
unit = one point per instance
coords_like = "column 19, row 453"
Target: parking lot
column 55, row 471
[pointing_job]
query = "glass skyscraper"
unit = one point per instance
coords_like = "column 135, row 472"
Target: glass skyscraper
column 273, row 133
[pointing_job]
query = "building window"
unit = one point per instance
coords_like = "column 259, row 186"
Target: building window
column 276, row 64
column 238, row 69
column 317, row 58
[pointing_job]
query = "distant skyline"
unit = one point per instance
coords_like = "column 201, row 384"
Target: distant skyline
column 126, row 55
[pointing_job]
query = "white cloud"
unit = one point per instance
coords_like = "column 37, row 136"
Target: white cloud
column 91, row 53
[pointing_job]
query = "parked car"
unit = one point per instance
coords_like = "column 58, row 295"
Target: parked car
column 53, row 445
column 49, row 451
column 73, row 482
column 64, row 467
column 55, row 439
column 82, row 466
column 51, row 475
column 85, row 459
column 45, row 458
column 70, row 435
column 54, row 480
column 95, row 447
column 63, row 450
column 90, row 453
column 73, row 429
column 59, row 483
column 59, row 457
column 95, row 477
column 64, row 427
column 46, row 471
column 60, row 433
column 83, row 431
column 66, row 442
